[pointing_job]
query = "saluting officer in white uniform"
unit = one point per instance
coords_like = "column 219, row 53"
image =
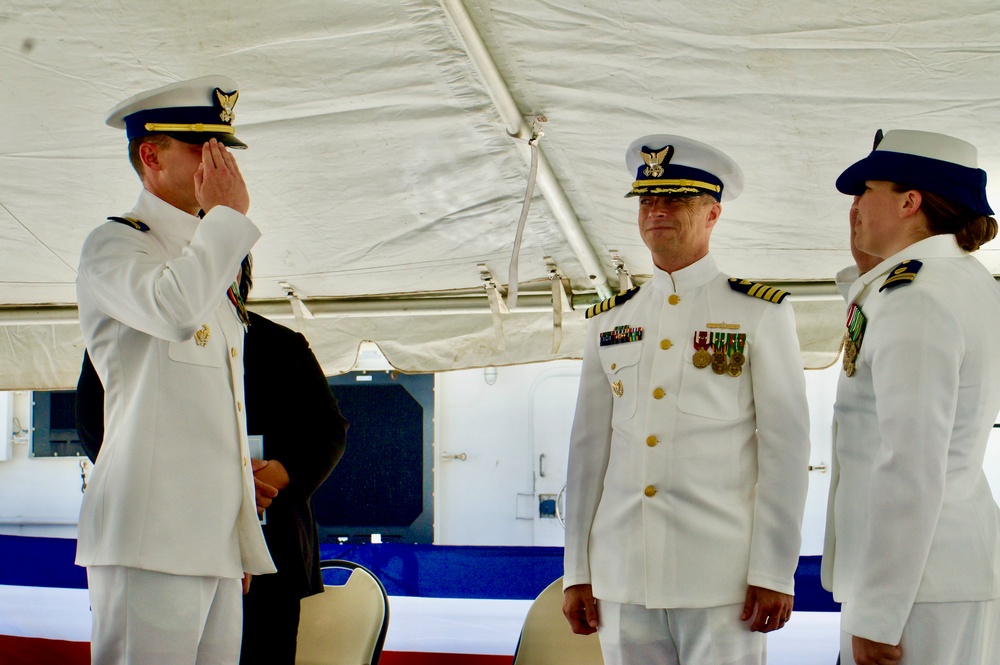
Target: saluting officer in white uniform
column 168, row 527
column 913, row 533
column 689, row 452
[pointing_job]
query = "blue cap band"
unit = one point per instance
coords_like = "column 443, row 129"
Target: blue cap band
column 960, row 184
column 676, row 180
column 135, row 124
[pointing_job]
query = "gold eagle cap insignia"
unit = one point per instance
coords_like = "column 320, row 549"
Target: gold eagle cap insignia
column 655, row 160
column 227, row 102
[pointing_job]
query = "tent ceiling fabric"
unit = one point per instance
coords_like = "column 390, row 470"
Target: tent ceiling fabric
column 379, row 165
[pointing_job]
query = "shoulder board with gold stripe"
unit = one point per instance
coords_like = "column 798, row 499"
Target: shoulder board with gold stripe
column 128, row 221
column 904, row 273
column 762, row 291
column 611, row 302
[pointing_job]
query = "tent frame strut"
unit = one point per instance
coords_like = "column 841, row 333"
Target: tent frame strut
column 517, row 126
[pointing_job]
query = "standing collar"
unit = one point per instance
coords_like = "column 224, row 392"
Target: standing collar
column 697, row 274
column 938, row 246
column 162, row 218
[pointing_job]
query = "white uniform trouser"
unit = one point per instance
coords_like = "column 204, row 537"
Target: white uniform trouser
column 945, row 634
column 142, row 617
column 635, row 635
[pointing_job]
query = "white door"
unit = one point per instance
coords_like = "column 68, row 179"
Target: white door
column 821, row 391
column 991, row 463
column 553, row 403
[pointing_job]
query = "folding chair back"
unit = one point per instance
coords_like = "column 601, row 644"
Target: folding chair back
column 546, row 638
column 344, row 625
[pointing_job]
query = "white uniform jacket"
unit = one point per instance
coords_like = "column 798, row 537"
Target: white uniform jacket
column 911, row 517
column 172, row 490
column 685, row 486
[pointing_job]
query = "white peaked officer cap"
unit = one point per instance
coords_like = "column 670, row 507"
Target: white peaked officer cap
column 190, row 111
column 931, row 162
column 668, row 165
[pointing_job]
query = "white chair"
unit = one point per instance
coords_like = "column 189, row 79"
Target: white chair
column 546, row 638
column 344, row 625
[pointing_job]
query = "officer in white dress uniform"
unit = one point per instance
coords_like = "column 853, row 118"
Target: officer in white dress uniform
column 913, row 533
column 168, row 526
column 689, row 451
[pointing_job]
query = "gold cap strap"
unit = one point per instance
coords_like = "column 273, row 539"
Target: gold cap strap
column 197, row 127
column 677, row 182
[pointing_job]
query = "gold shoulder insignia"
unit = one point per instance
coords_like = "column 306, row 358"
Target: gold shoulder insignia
column 904, row 273
column 128, row 221
column 762, row 291
column 611, row 302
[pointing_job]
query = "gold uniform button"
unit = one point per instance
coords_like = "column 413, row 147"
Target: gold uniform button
column 613, row 365
column 239, row 406
column 650, row 491
column 234, row 352
column 665, row 344
column 244, row 461
column 674, row 299
column 658, row 393
column 651, row 441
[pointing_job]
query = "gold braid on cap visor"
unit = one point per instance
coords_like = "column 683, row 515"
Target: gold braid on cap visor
column 198, row 127
column 676, row 183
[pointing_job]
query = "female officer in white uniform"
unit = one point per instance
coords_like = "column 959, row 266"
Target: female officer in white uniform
column 913, row 538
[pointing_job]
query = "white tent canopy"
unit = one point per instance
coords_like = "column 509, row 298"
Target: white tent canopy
column 386, row 180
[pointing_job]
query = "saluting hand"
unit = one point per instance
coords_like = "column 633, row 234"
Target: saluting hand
column 218, row 180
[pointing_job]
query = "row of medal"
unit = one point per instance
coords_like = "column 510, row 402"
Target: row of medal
column 856, row 322
column 727, row 355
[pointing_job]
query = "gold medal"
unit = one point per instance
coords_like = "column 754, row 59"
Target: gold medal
column 856, row 323
column 702, row 358
column 720, row 355
column 850, row 354
column 735, row 345
column 720, row 363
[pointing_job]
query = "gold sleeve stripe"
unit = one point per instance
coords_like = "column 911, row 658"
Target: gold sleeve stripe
column 762, row 291
column 601, row 307
column 769, row 293
column 610, row 303
column 904, row 273
column 908, row 277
